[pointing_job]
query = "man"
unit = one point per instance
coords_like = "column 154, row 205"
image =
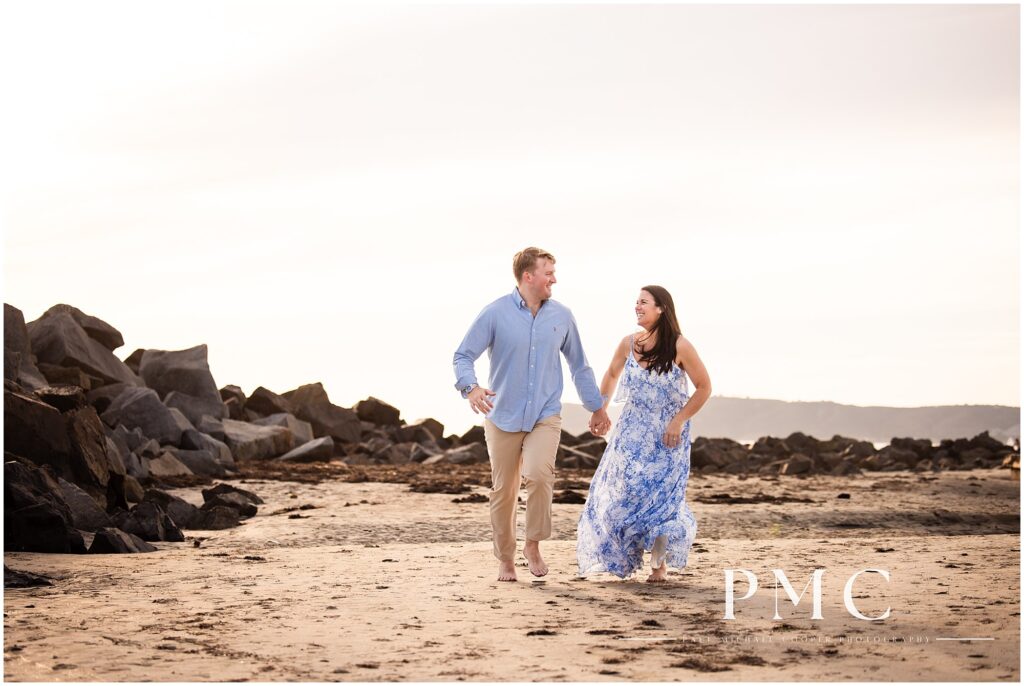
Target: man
column 523, row 333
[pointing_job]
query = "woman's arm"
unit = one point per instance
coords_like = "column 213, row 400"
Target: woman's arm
column 611, row 376
column 689, row 360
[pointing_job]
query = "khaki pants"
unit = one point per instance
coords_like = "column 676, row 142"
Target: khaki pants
column 515, row 455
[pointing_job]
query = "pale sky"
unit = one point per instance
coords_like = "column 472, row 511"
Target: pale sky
column 329, row 192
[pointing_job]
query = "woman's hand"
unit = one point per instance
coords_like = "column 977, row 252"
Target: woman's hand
column 673, row 432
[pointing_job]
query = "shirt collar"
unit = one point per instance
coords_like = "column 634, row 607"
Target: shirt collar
column 517, row 298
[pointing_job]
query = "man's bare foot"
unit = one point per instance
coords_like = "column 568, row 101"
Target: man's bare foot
column 506, row 571
column 531, row 551
column 658, row 575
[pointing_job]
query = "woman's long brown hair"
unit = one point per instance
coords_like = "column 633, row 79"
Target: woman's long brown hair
column 660, row 358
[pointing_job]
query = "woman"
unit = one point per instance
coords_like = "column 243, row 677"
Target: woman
column 637, row 499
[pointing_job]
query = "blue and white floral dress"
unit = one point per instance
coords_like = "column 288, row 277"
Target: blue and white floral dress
column 637, row 499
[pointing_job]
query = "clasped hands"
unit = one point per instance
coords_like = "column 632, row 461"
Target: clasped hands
column 600, row 422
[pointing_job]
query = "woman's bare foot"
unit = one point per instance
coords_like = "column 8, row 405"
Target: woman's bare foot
column 658, row 575
column 531, row 551
column 506, row 571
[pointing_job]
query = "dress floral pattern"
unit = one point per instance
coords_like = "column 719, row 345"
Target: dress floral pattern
column 638, row 492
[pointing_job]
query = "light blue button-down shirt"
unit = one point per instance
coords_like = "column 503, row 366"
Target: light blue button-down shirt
column 526, row 372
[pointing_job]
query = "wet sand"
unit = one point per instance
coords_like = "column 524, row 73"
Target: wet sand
column 374, row 582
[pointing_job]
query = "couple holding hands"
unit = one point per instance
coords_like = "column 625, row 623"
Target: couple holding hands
column 637, row 499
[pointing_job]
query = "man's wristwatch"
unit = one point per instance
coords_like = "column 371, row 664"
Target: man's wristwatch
column 466, row 390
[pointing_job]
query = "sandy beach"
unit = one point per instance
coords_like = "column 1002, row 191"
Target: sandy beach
column 368, row 581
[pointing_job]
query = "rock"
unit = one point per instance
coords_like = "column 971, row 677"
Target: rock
column 302, row 430
column 57, row 375
column 184, row 514
column 474, row 435
column 233, row 500
column 317, row 450
column 435, row 427
column 567, row 456
column 141, row 408
column 36, row 517
column 111, row 540
column 211, row 426
column 803, row 444
column 474, row 453
column 64, row 398
column 904, row 456
column 216, row 518
column 197, row 440
column 23, row 369
column 797, row 464
column 195, row 408
column 72, row 443
column 97, row 329
column 86, row 514
column 569, row 497
column 399, row 453
column 59, row 340
column 148, row 521
column 220, row 488
column 186, row 371
column 37, row 431
column 983, row 440
column 378, row 412
column 166, row 465
column 134, row 360
column 265, row 402
column 922, row 447
column 89, row 461
column 768, row 445
column 421, row 452
column 846, row 468
column 17, row 579
column 568, row 439
column 594, row 448
column 413, row 433
column 253, row 442
column 201, row 461
column 310, row 403
column 133, row 491
column 231, row 391
column 234, row 410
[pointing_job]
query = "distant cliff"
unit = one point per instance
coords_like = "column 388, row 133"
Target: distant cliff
column 745, row 419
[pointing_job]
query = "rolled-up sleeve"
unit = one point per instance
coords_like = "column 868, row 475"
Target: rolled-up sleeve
column 582, row 374
column 478, row 339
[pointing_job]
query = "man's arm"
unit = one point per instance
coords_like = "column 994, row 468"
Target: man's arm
column 478, row 339
column 582, row 374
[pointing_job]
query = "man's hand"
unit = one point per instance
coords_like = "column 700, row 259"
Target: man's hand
column 479, row 400
column 600, row 422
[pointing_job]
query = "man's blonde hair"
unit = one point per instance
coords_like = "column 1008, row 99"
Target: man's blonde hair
column 526, row 259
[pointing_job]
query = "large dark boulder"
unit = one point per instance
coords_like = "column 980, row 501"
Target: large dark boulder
column 36, row 516
column 195, row 408
column 19, row 365
column 73, row 443
column 220, row 488
column 302, row 430
column 111, row 540
column 233, row 500
column 64, row 398
column 141, row 408
column 249, row 441
column 184, row 514
column 317, row 450
column 58, row 339
column 311, row 404
column 86, row 514
column 97, row 329
column 186, row 371
column 265, row 402
column 377, row 411
column 148, row 521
